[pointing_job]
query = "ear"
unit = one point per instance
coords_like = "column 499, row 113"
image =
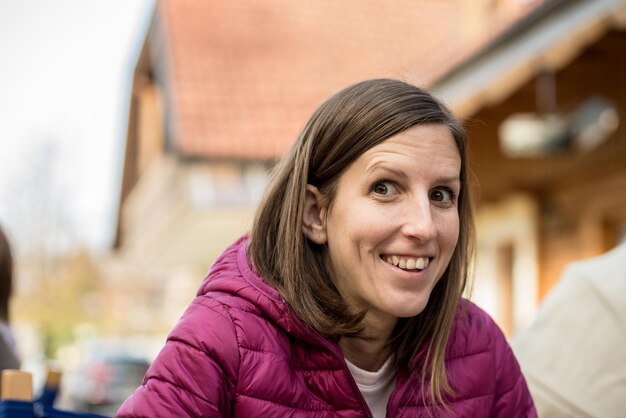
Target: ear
column 313, row 224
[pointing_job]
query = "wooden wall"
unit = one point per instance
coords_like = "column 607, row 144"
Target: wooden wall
column 581, row 195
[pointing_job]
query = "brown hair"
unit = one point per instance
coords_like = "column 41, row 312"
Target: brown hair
column 340, row 130
column 6, row 276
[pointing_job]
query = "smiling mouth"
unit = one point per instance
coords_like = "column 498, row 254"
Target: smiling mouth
column 407, row 263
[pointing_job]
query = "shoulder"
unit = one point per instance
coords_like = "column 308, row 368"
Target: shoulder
column 475, row 343
column 196, row 371
column 478, row 346
column 473, row 330
column 606, row 269
column 230, row 324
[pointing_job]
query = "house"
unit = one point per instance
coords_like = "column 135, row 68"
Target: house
column 222, row 88
column 558, row 79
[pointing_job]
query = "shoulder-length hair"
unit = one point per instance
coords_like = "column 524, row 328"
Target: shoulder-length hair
column 6, row 276
column 340, row 130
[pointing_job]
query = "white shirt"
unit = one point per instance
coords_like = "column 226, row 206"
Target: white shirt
column 376, row 387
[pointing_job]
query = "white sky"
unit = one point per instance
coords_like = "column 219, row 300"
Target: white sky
column 65, row 75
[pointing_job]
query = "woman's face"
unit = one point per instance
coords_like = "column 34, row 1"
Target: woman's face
column 393, row 224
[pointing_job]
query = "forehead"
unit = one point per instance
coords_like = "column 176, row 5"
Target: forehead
column 431, row 145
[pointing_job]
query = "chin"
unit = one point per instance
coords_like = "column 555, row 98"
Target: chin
column 405, row 310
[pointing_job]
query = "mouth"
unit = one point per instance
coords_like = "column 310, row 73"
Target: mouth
column 407, row 263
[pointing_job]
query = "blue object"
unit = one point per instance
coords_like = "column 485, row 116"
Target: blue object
column 48, row 396
column 16, row 409
column 20, row 409
column 49, row 412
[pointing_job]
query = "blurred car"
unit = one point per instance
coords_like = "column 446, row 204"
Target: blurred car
column 107, row 382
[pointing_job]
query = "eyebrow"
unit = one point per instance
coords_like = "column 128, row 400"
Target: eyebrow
column 453, row 179
column 379, row 165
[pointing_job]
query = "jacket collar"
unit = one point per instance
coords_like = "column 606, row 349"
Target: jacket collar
column 231, row 273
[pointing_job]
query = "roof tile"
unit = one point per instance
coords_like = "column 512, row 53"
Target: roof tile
column 244, row 76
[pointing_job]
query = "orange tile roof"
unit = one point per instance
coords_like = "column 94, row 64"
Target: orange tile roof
column 244, row 76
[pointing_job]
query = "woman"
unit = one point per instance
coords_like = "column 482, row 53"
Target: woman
column 345, row 301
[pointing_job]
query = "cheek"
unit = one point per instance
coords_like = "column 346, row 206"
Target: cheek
column 358, row 229
column 453, row 231
column 449, row 231
column 370, row 225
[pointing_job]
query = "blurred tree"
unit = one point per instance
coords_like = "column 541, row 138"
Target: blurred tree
column 65, row 297
column 55, row 278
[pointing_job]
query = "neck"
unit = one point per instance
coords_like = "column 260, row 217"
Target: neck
column 368, row 351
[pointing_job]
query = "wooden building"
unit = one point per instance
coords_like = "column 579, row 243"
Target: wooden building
column 222, row 88
column 559, row 76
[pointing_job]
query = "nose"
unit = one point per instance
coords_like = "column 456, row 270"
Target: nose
column 418, row 221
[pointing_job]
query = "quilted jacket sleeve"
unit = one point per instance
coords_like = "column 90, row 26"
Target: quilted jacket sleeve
column 512, row 397
column 194, row 372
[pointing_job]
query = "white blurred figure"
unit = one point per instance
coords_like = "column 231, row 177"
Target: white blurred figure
column 573, row 354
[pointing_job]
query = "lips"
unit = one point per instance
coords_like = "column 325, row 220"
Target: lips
column 406, row 263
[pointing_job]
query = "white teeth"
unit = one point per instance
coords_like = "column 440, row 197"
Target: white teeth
column 408, row 263
column 421, row 263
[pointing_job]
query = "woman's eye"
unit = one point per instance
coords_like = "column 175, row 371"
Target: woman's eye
column 383, row 188
column 444, row 196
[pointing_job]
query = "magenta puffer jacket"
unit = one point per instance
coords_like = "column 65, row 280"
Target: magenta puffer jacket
column 239, row 352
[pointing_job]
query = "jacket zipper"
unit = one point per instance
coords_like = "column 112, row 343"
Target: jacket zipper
column 334, row 349
column 396, row 396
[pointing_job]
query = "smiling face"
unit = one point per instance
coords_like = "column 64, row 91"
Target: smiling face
column 393, row 224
